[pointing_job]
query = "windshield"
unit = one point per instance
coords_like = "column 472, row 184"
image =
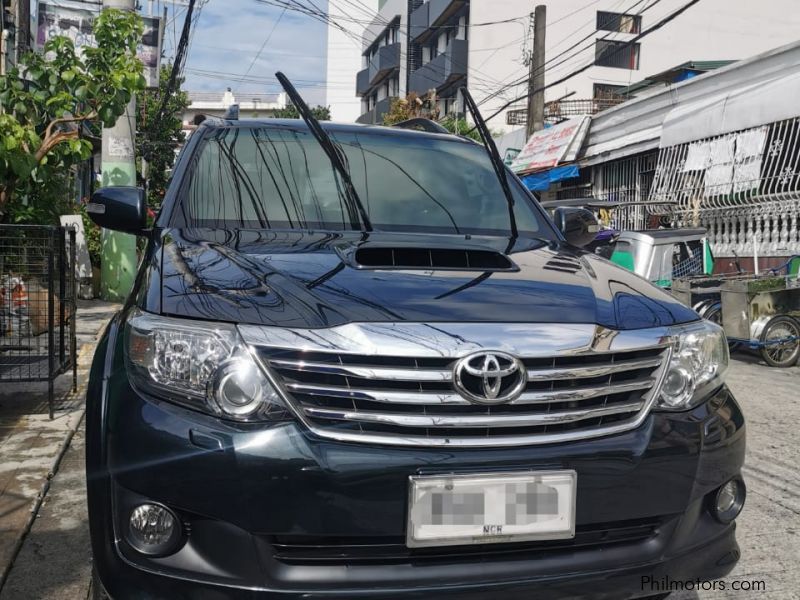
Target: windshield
column 280, row 178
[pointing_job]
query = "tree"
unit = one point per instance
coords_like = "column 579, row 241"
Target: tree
column 158, row 140
column 411, row 107
column 416, row 107
column 321, row 113
column 50, row 97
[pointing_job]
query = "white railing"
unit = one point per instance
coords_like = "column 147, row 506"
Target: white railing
column 744, row 187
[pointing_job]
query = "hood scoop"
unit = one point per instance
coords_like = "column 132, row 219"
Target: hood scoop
column 440, row 259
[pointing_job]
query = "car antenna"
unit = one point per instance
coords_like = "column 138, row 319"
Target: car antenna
column 333, row 151
column 494, row 155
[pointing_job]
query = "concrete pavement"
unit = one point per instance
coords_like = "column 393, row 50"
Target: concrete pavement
column 32, row 445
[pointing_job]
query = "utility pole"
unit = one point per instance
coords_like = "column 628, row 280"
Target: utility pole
column 535, row 120
column 118, row 256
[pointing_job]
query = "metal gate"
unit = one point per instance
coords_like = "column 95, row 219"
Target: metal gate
column 37, row 305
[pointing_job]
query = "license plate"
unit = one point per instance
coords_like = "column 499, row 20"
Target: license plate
column 491, row 508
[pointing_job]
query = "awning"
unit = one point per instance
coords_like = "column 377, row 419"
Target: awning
column 745, row 107
column 540, row 182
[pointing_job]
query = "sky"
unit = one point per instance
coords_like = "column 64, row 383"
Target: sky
column 227, row 38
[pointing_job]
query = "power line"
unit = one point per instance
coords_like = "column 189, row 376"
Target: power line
column 622, row 46
column 324, row 17
column 524, row 79
column 266, row 41
column 178, row 64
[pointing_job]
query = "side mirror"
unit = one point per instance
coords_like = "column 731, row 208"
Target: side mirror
column 119, row 208
column 578, row 225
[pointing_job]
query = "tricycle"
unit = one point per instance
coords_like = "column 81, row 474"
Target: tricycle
column 760, row 312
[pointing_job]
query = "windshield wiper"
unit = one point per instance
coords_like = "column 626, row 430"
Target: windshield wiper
column 334, row 152
column 494, row 155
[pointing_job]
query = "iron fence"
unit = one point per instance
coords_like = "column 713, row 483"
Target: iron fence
column 558, row 111
column 38, row 291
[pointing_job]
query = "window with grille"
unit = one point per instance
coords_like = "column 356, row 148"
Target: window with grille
column 619, row 22
column 620, row 55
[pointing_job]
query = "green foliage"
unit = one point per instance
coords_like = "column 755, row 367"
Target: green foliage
column 44, row 205
column 94, row 237
column 321, row 113
column 157, row 140
column 461, row 126
column 47, row 98
column 415, row 107
column 410, row 107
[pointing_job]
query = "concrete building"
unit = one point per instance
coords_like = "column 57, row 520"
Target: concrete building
column 216, row 104
column 344, row 57
column 418, row 45
column 384, row 70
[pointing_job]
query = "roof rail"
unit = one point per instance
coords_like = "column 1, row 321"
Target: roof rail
column 421, row 124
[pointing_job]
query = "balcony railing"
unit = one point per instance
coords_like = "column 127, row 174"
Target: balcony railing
column 385, row 61
column 431, row 15
column 442, row 70
column 375, row 116
column 362, row 82
column 561, row 110
column 418, row 21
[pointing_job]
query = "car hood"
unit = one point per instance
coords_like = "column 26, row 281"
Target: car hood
column 304, row 280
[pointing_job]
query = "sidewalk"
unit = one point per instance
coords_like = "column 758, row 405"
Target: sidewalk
column 31, row 445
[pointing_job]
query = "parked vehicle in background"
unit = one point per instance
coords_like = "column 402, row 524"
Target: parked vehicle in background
column 759, row 312
column 363, row 362
column 663, row 255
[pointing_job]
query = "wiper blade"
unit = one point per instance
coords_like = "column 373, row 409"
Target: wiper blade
column 494, row 155
column 333, row 151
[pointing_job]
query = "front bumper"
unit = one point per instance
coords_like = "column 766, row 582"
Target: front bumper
column 279, row 513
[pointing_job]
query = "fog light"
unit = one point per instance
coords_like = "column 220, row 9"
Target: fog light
column 729, row 501
column 154, row 529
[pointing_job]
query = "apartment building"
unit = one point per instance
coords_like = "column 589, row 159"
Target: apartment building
column 421, row 45
column 344, row 53
column 384, row 61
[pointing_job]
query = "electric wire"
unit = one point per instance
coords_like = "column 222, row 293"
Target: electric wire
column 586, row 67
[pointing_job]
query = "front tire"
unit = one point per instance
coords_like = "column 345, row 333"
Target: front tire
column 781, row 355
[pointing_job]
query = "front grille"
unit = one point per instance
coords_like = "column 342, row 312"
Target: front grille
column 399, row 398
column 305, row 550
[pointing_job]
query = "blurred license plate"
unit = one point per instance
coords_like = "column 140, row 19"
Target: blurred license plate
column 491, row 508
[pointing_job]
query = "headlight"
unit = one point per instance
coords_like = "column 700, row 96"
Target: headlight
column 199, row 364
column 698, row 363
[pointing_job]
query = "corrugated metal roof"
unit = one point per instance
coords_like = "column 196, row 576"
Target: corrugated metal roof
column 669, row 75
column 635, row 126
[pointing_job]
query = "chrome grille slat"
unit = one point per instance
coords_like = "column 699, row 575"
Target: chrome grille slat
column 445, row 375
column 393, row 383
column 433, row 398
column 516, row 420
column 558, row 374
column 386, row 373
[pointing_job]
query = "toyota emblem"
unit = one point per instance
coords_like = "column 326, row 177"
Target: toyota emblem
column 490, row 377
